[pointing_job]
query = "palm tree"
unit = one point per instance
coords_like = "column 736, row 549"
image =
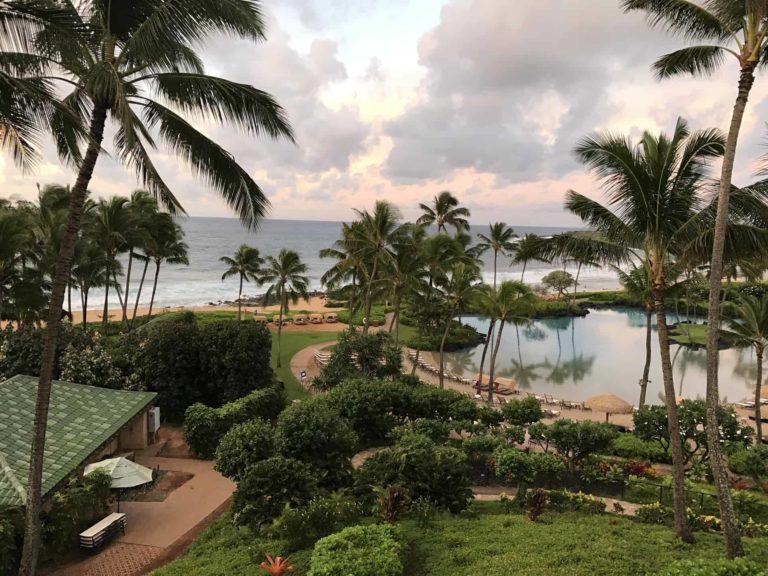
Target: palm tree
column 652, row 210
column 13, row 241
column 500, row 240
column 112, row 227
column 348, row 267
column 114, row 56
column 636, row 284
column 375, row 237
column 246, row 265
column 511, row 301
column 739, row 29
column 166, row 245
column 89, row 270
column 459, row 288
column 406, row 274
column 444, row 211
column 528, row 249
column 750, row 325
column 285, row 274
column 143, row 208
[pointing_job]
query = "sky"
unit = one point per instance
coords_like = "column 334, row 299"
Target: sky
column 401, row 99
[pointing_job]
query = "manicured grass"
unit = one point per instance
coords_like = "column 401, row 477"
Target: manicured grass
column 491, row 543
column 292, row 342
column 689, row 334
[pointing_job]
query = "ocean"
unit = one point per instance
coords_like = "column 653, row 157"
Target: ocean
column 210, row 238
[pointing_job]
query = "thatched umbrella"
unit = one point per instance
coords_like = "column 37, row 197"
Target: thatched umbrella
column 608, row 403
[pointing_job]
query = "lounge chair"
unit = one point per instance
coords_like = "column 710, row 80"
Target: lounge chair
column 549, row 413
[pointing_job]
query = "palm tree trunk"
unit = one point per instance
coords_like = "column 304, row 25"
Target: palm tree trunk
column 141, row 286
column 576, row 283
column 760, row 351
column 492, row 369
column 495, row 257
column 28, row 565
column 352, row 301
column 127, row 287
column 69, row 289
column 85, row 308
column 367, row 319
column 280, row 328
column 117, row 291
column 647, row 367
column 240, row 300
column 105, row 311
column 154, row 289
column 678, row 463
column 442, row 347
column 522, row 274
column 396, row 319
column 488, row 338
column 731, row 532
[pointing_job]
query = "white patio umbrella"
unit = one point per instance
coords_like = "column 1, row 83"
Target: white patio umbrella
column 124, row 474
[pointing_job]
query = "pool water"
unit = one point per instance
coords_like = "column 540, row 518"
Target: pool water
column 575, row 358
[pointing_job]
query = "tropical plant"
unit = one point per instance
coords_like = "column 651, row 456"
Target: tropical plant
column 246, row 265
column 739, row 29
column 653, row 209
column 529, row 248
column 164, row 245
column 501, row 239
column 349, row 266
column 375, row 237
column 115, row 56
column 287, row 283
column 444, row 211
column 558, row 280
column 749, row 324
column 406, row 274
column 142, row 207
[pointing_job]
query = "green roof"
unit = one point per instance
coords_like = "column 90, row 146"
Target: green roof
column 80, row 420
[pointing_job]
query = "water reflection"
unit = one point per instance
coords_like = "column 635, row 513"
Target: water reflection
column 576, row 358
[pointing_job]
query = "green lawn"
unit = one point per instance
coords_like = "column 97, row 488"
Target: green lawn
column 491, row 544
column 292, row 342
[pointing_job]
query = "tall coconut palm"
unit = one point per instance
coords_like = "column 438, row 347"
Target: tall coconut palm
column 501, row 239
column 444, row 211
column 529, row 248
column 749, row 323
column 143, row 207
column 114, row 57
column 375, row 237
column 285, row 275
column 737, row 28
column 459, row 288
column 636, row 284
column 511, row 301
column 246, row 265
column 13, row 241
column 653, row 209
column 89, row 270
column 349, row 266
column 165, row 246
column 406, row 274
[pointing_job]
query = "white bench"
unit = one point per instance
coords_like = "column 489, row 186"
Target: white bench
column 103, row 531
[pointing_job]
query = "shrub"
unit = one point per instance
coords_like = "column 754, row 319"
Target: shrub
column 372, row 356
column 536, row 501
column 522, row 412
column 446, row 405
column 243, row 446
column 205, row 426
column 737, row 567
column 393, row 501
column 91, row 365
column 314, row 432
column 752, row 462
column 304, row 525
column 654, row 514
column 74, row 508
column 578, row 440
column 268, row 486
column 10, row 539
column 21, row 350
column 435, row 430
column 564, row 501
column 522, row 468
column 437, row 473
column 374, row 550
column 372, row 407
column 630, row 446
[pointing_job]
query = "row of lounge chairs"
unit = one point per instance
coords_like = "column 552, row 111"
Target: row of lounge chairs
column 552, row 401
column 432, row 369
column 299, row 319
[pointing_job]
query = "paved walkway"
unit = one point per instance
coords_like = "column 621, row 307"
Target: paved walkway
column 157, row 532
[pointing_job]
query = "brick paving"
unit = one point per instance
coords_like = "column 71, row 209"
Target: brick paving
column 117, row 559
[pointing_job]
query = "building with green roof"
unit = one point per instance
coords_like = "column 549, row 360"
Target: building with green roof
column 85, row 424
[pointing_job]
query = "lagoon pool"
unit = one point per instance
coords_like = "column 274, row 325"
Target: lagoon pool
column 575, row 358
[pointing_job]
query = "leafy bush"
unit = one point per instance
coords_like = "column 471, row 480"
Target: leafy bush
column 79, row 504
column 435, row 430
column 373, row 356
column 536, row 501
column 752, row 462
column 304, row 525
column 447, row 405
column 10, row 539
column 374, row 550
column 522, row 468
column 654, row 514
column 21, row 350
column 372, row 407
column 314, row 432
column 268, row 486
column 630, row 446
column 564, row 501
column 243, row 446
column 460, row 336
column 574, row 440
column 737, row 567
column 522, row 412
column 438, row 473
column 205, row 426
column 393, row 501
column 91, row 365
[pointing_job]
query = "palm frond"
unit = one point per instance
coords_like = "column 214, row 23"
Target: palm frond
column 688, row 19
column 693, row 60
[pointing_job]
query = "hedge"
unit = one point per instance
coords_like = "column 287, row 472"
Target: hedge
column 374, row 550
column 205, row 426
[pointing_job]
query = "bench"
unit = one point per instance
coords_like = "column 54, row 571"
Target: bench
column 103, row 531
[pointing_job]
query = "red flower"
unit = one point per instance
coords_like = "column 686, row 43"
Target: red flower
column 277, row 566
